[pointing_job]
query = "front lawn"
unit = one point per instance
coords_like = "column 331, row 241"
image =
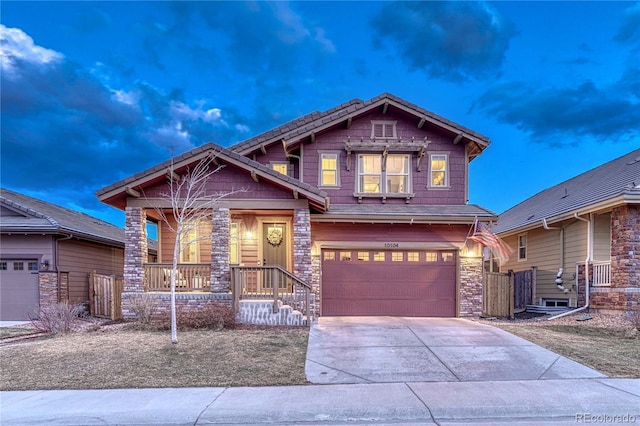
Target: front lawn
column 129, row 358
column 604, row 342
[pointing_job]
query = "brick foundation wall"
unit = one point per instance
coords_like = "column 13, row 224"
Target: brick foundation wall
column 220, row 269
column 185, row 302
column 470, row 291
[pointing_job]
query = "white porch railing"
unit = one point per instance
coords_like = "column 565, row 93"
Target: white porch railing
column 601, row 274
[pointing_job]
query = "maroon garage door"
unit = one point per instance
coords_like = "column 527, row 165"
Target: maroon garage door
column 409, row 283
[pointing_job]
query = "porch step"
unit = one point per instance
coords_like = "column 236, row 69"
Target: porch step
column 260, row 312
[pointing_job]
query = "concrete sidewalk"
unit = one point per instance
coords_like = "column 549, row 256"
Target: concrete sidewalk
column 521, row 402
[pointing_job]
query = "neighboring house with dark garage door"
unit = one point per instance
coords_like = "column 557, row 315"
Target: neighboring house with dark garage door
column 47, row 253
column 365, row 203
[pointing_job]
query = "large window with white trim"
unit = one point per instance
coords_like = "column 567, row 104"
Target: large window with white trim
column 378, row 174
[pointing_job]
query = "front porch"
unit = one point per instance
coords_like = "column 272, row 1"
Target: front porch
column 276, row 246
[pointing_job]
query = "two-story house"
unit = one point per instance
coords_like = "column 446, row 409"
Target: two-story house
column 365, row 203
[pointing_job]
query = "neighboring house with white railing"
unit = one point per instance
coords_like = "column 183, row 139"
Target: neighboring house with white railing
column 593, row 219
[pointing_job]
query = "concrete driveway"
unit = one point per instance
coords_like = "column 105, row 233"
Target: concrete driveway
column 386, row 350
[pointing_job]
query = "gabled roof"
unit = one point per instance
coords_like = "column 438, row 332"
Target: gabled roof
column 116, row 193
column 37, row 216
column 306, row 126
column 614, row 183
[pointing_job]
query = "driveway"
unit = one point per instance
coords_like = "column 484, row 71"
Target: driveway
column 386, row 350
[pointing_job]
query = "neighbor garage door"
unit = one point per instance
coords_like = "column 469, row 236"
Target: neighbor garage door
column 19, row 295
column 394, row 283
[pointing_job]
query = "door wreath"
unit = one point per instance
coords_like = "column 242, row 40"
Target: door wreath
column 274, row 237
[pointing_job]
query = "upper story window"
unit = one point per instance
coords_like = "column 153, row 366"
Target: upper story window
column 381, row 129
column 282, row 168
column 373, row 178
column 329, row 175
column 522, row 247
column 439, row 170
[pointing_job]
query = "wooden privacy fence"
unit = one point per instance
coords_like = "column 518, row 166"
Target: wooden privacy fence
column 498, row 295
column 105, row 295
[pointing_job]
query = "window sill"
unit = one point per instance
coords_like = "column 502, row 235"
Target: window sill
column 438, row 188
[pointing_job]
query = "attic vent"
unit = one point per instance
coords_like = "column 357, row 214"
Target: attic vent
column 531, row 217
column 566, row 193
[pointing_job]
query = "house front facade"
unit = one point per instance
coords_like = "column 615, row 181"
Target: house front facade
column 581, row 239
column 364, row 204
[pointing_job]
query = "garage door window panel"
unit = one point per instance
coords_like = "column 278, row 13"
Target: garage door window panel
column 329, row 256
column 3, row 266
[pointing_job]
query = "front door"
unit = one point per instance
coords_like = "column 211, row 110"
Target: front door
column 275, row 241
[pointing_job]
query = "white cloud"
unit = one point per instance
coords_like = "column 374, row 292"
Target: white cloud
column 16, row 46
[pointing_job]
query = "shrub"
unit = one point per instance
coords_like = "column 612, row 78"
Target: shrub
column 144, row 308
column 212, row 316
column 55, row 318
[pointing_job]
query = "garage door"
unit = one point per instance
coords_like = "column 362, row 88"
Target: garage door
column 19, row 295
column 394, row 283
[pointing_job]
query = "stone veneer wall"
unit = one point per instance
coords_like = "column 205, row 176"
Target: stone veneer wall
column 48, row 283
column 302, row 245
column 316, row 267
column 471, row 286
column 135, row 249
column 220, row 269
column 624, row 292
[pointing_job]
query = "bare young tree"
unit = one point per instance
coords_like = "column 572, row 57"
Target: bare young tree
column 191, row 204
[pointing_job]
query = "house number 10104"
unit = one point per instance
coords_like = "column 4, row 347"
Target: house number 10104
column 391, row 245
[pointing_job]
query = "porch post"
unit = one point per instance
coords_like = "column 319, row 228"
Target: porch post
column 220, row 270
column 302, row 266
column 135, row 249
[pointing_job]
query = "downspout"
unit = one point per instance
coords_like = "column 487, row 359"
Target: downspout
column 586, row 272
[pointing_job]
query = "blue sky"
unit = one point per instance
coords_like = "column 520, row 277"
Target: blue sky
column 93, row 92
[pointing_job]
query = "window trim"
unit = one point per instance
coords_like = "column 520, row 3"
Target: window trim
column 321, row 155
column 525, row 247
column 447, row 171
column 382, row 123
column 359, row 191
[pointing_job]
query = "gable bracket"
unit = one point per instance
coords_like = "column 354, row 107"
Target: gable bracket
column 458, row 138
column 421, row 122
column 385, row 107
column 263, row 150
column 420, row 157
column 347, row 148
column 295, row 194
column 132, row 192
column 173, row 176
column 349, row 122
column 254, row 176
column 312, row 137
column 384, row 158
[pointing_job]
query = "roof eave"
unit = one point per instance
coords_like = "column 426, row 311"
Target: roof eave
column 628, row 197
column 388, row 219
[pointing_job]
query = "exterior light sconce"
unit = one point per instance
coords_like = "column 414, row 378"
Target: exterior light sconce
column 249, row 235
column 471, row 249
